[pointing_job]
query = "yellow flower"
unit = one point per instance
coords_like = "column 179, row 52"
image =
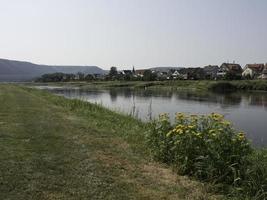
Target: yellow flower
column 227, row 123
column 164, row 116
column 198, row 134
column 194, row 118
column 191, row 127
column 179, row 126
column 180, row 116
column 216, row 116
column 241, row 136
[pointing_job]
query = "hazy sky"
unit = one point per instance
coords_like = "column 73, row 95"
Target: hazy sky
column 142, row 33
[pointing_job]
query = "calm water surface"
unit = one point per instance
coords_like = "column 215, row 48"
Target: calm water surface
column 248, row 111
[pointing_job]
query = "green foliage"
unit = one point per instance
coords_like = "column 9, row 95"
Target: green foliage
column 113, row 72
column 222, row 86
column 157, row 140
column 206, row 147
column 149, row 76
column 255, row 182
column 251, row 85
column 89, row 77
column 233, row 76
column 56, row 77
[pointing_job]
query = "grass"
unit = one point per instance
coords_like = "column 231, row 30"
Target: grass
column 103, row 84
column 260, row 85
column 55, row 148
column 244, row 85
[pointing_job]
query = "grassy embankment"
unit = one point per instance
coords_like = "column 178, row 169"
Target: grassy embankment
column 54, row 148
column 244, row 85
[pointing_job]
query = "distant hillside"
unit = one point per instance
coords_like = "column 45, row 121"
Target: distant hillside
column 11, row 70
column 164, row 69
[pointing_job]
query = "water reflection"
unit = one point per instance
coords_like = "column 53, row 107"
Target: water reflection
column 113, row 95
column 248, row 111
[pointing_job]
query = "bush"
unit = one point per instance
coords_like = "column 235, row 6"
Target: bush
column 252, row 85
column 206, row 147
column 222, row 87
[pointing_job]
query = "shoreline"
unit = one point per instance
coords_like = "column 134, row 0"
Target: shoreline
column 202, row 85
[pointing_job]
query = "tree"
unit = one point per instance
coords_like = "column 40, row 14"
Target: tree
column 80, row 76
column 149, row 76
column 232, row 76
column 113, row 72
column 89, row 77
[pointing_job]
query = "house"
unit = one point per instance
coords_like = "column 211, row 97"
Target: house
column 230, row 71
column 162, row 75
column 253, row 70
column 120, row 72
column 176, row 75
column 264, row 73
column 140, row 72
column 211, row 71
column 192, row 73
column 127, row 72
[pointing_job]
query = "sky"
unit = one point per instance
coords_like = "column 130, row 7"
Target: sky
column 140, row 33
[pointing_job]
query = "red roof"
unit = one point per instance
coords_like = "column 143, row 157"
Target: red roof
column 140, row 71
column 255, row 67
column 232, row 66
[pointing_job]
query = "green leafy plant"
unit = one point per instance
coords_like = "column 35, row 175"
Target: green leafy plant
column 206, row 147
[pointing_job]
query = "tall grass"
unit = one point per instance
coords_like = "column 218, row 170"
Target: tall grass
column 222, row 87
column 238, row 85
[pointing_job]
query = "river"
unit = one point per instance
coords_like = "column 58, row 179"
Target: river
column 247, row 110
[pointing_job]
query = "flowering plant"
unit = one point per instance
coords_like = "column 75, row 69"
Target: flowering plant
column 204, row 146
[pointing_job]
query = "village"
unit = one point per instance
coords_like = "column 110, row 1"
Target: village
column 227, row 71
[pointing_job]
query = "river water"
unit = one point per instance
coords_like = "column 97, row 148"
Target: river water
column 248, row 111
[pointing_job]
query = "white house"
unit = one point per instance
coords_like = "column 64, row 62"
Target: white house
column 253, row 70
column 264, row 73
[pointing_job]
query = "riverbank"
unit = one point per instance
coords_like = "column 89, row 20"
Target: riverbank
column 55, row 148
column 243, row 85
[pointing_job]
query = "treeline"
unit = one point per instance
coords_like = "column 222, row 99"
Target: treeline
column 112, row 75
column 225, row 72
column 131, row 75
column 62, row 77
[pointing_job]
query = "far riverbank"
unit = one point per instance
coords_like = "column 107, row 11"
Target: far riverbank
column 242, row 85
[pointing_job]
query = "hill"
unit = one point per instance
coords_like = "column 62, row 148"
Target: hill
column 165, row 69
column 11, row 70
